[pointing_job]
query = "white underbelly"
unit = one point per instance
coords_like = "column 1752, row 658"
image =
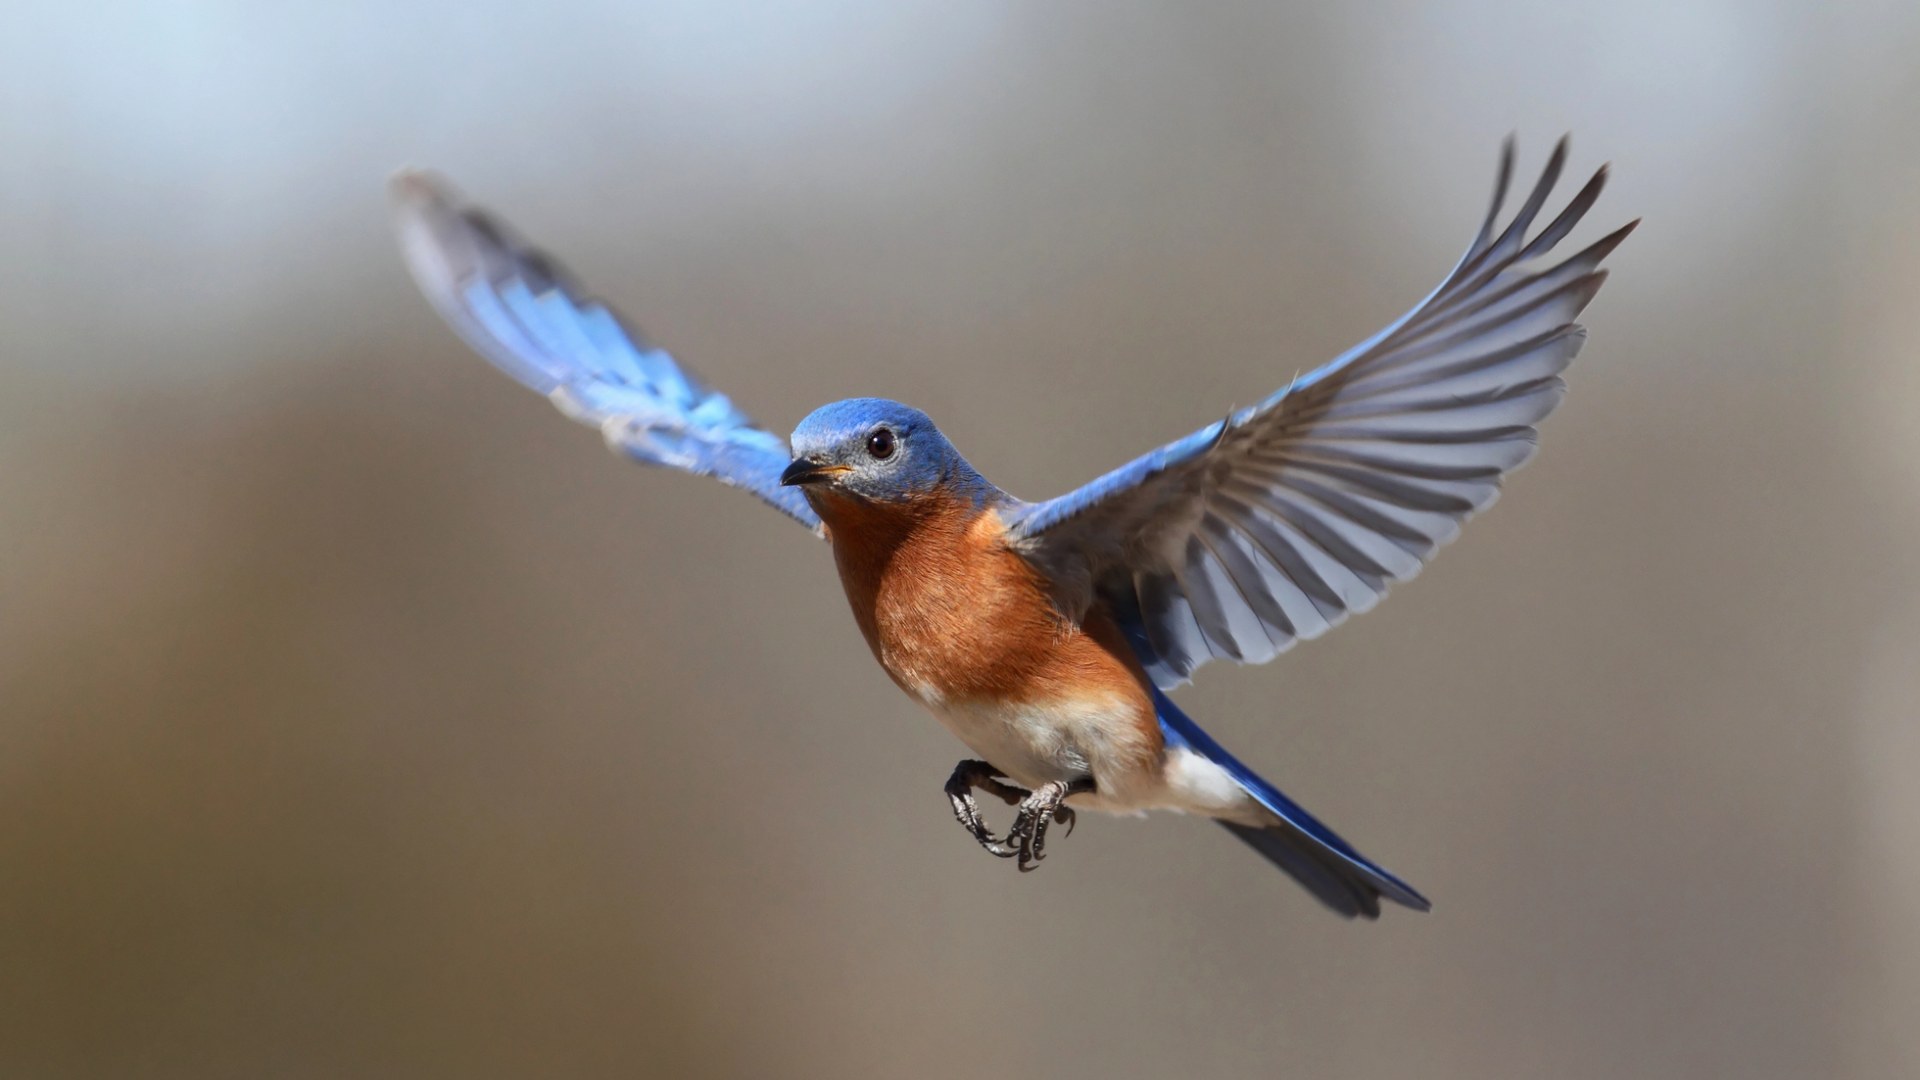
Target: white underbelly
column 1034, row 743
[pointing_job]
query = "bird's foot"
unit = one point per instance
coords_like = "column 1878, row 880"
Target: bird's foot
column 970, row 775
column 1044, row 806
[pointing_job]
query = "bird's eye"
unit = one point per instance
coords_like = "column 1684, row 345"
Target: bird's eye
column 880, row 444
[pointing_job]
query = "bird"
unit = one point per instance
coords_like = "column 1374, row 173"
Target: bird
column 1047, row 635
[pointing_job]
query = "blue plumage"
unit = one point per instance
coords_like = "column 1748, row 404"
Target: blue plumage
column 919, row 461
column 1313, row 854
column 520, row 310
column 1248, row 535
column 1274, row 525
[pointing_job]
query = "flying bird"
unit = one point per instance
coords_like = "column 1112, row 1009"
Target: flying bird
column 1045, row 635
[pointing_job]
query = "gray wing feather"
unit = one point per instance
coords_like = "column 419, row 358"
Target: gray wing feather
column 1275, row 524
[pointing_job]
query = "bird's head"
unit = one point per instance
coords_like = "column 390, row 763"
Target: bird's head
column 879, row 451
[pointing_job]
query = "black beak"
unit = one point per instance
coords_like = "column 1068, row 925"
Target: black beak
column 803, row 472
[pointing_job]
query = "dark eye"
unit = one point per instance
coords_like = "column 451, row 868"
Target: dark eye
column 880, row 444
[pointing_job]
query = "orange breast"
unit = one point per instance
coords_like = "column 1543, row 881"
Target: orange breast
column 953, row 615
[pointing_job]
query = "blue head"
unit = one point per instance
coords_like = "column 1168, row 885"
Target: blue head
column 881, row 451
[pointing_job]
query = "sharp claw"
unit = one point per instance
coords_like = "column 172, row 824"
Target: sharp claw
column 1027, row 839
column 1031, row 827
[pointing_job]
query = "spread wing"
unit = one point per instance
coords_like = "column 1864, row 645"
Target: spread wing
column 520, row 310
column 1276, row 523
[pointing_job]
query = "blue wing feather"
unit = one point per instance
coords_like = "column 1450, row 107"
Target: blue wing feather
column 517, row 308
column 1277, row 523
column 1035, row 518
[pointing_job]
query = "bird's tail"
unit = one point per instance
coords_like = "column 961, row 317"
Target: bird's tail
column 1296, row 842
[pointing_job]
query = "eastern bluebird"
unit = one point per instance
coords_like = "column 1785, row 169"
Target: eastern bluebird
column 1045, row 635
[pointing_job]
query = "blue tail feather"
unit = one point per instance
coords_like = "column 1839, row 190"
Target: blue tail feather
column 1299, row 844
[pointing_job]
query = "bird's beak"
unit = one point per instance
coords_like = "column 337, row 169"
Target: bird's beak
column 803, row 472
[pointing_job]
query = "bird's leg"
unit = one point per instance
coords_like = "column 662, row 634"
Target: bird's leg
column 972, row 774
column 1047, row 804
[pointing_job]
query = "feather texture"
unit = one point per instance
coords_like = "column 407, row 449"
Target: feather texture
column 520, row 310
column 1273, row 525
column 1294, row 840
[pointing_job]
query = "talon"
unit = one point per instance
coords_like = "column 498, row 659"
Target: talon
column 1036, row 844
column 1039, row 809
column 968, row 776
column 1032, row 849
column 1045, row 807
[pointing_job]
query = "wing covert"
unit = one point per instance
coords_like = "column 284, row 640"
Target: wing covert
column 518, row 308
column 1277, row 522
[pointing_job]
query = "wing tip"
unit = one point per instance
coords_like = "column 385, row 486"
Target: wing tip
column 422, row 192
column 412, row 182
column 1503, row 180
column 1605, row 246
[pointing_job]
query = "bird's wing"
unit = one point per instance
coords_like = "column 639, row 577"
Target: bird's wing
column 520, row 310
column 1276, row 523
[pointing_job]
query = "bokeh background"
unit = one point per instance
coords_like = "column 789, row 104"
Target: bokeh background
column 361, row 717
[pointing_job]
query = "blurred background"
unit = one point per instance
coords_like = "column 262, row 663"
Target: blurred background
column 361, row 717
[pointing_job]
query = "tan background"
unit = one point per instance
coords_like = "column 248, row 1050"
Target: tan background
column 360, row 717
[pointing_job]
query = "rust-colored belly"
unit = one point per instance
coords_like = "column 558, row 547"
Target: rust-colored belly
column 959, row 621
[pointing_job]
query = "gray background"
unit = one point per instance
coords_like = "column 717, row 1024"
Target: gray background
column 360, row 717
